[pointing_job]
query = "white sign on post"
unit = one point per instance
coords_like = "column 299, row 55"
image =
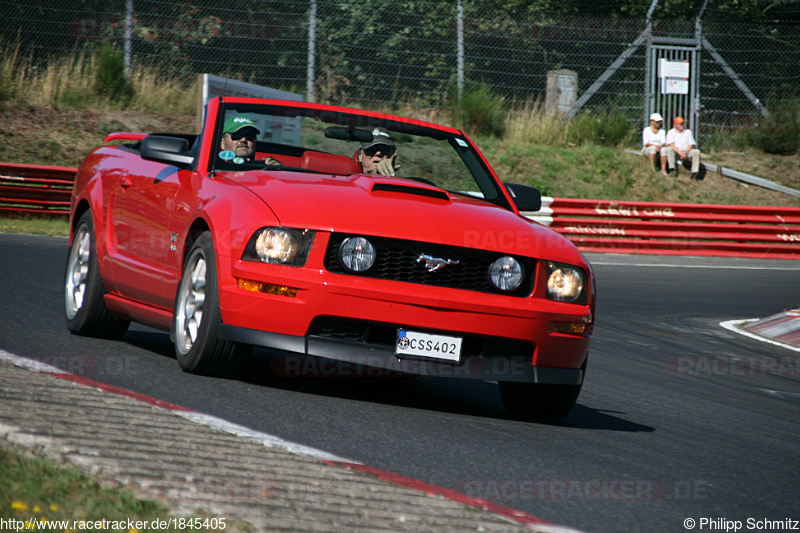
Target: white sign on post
column 673, row 69
column 675, row 86
column 674, row 76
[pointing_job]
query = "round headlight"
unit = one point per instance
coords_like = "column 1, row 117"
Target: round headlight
column 276, row 245
column 357, row 254
column 506, row 273
column 564, row 283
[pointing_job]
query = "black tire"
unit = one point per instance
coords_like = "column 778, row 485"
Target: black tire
column 535, row 401
column 197, row 319
column 85, row 307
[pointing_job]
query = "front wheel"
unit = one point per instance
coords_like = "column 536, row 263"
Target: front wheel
column 85, row 306
column 197, row 319
column 540, row 401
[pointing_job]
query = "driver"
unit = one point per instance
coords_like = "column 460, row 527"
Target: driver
column 238, row 143
column 379, row 156
column 239, row 137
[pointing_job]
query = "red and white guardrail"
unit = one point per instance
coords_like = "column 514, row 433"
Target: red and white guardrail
column 38, row 189
column 593, row 225
column 675, row 229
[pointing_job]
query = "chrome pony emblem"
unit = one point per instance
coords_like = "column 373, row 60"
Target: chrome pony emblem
column 435, row 263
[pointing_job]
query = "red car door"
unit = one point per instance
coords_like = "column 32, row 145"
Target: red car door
column 139, row 212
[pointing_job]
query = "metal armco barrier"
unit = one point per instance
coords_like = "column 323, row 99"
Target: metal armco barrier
column 675, row 229
column 43, row 190
column 593, row 225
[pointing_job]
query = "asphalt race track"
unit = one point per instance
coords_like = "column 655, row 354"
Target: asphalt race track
column 679, row 418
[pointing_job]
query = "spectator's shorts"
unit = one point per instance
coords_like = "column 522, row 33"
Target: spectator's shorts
column 651, row 150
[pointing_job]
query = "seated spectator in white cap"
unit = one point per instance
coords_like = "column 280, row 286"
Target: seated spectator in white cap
column 654, row 142
column 681, row 143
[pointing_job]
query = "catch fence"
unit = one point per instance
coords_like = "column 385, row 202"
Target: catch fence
column 423, row 52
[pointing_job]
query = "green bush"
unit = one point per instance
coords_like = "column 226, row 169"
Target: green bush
column 6, row 90
column 780, row 134
column 110, row 79
column 478, row 110
column 609, row 129
column 7, row 66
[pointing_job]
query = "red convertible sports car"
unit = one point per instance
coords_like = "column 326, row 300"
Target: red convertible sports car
column 273, row 227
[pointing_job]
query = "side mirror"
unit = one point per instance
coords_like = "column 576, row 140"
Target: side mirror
column 525, row 197
column 164, row 149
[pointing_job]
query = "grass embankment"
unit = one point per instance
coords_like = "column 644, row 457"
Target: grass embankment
column 38, row 495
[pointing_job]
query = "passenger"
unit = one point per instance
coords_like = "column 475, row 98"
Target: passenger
column 680, row 142
column 379, row 156
column 654, row 142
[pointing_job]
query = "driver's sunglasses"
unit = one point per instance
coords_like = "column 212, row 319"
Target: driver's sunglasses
column 238, row 135
column 385, row 149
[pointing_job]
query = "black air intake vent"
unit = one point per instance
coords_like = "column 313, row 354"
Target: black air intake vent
column 410, row 189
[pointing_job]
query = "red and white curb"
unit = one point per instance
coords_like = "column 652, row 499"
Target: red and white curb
column 781, row 329
column 533, row 522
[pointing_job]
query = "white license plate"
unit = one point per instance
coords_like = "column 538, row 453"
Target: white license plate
column 426, row 345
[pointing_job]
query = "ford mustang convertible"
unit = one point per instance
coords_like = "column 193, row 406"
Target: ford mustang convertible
column 331, row 234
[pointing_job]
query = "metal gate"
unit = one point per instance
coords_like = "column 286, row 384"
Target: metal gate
column 671, row 86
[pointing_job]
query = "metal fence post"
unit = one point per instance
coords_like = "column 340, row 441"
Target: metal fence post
column 312, row 37
column 648, row 64
column 128, row 36
column 460, row 48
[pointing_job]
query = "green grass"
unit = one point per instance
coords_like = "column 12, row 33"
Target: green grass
column 57, row 226
column 35, row 488
column 588, row 171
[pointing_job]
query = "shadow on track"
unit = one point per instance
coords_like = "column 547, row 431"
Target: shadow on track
column 353, row 382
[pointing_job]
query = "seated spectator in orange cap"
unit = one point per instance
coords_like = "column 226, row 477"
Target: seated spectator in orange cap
column 681, row 143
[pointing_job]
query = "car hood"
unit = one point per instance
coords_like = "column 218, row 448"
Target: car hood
column 403, row 209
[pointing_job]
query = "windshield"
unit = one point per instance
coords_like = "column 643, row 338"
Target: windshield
column 323, row 140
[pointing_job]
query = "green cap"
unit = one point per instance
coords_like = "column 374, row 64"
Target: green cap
column 236, row 123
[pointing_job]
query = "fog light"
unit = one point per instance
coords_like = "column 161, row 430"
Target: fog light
column 506, row 274
column 356, row 254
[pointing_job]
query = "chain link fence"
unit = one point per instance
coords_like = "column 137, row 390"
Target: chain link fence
column 378, row 53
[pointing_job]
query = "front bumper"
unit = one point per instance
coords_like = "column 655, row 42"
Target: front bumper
column 507, row 338
column 363, row 359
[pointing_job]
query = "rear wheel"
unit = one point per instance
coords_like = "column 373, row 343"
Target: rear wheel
column 85, row 307
column 197, row 319
column 540, row 401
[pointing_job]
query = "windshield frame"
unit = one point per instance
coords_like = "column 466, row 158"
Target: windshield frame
column 484, row 178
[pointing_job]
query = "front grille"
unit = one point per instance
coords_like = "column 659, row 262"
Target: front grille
column 397, row 260
column 376, row 333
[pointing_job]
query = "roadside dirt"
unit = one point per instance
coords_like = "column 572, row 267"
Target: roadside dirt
column 719, row 189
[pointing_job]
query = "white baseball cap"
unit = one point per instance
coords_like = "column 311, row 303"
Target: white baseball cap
column 657, row 117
